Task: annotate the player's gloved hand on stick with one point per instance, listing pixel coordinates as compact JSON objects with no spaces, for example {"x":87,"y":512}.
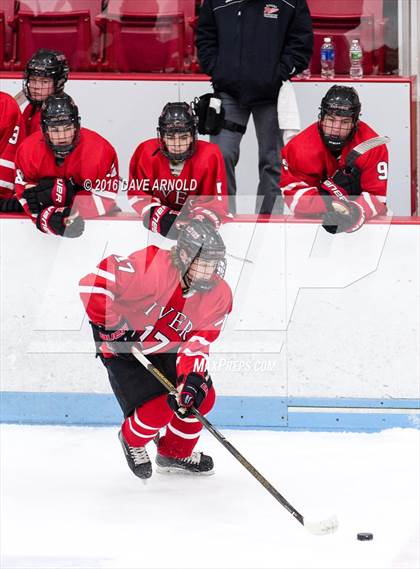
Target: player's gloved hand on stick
{"x":60,"y":221}
{"x":116,"y":341}
{"x":190,"y":393}
{"x":349,"y":180}
{"x":160,"y":219}
{"x":345,"y":216}
{"x":50,"y":191}
{"x":205,"y":215}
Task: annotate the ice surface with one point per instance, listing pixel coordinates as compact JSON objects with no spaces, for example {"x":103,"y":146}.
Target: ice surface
{"x":68,"y":500}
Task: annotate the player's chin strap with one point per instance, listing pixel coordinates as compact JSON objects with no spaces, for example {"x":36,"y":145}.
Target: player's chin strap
{"x":323,"y":527}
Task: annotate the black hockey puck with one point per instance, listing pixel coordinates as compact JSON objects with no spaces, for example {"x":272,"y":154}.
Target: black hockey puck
{"x":365,"y":536}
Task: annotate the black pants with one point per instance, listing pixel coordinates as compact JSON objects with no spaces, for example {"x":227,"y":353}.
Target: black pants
{"x":133,"y":384}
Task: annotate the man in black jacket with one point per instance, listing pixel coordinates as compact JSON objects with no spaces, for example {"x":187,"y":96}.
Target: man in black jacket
{"x":249,"y":48}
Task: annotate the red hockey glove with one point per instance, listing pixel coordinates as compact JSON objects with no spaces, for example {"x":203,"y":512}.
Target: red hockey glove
{"x":160,"y":219}
{"x":190,"y":392}
{"x":50,"y":191}
{"x":204,"y":214}
{"x":59,"y":221}
{"x":117,"y":341}
{"x":345,"y":216}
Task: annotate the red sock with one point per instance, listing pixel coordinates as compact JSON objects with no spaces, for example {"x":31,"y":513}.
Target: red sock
{"x":182,"y":434}
{"x":141,"y":427}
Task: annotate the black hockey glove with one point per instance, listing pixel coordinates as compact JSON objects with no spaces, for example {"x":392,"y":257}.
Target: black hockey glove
{"x":58,"y":221}
{"x":161,"y":219}
{"x":10,"y":205}
{"x":345,"y":216}
{"x":348,"y":180}
{"x":50,"y":191}
{"x":190,"y":392}
{"x":116,"y":341}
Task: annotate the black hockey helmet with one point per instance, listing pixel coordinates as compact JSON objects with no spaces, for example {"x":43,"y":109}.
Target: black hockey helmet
{"x":200,"y":255}
{"x":46,"y":63}
{"x":339,"y":101}
{"x":177,"y":118}
{"x":60,"y":110}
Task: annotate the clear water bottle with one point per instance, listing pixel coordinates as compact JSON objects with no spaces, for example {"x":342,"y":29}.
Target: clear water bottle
{"x":327,"y":59}
{"x":356,"y":60}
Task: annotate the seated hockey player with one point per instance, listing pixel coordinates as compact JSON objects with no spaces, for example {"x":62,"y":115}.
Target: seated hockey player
{"x":11,"y":135}
{"x":45,"y":74}
{"x":176,"y":177}
{"x":315,"y":180}
{"x":175,"y":302}
{"x":65,"y":173}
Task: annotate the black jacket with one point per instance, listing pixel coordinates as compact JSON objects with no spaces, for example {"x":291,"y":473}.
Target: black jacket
{"x":249,"y":47}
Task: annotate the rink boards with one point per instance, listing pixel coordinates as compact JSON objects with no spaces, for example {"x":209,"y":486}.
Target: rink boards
{"x":324,"y":333}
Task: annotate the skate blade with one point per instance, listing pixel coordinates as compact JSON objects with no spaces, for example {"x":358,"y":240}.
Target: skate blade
{"x":174,"y":470}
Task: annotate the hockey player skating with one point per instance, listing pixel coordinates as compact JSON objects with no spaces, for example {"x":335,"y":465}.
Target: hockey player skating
{"x":45,"y":74}
{"x":176,"y":177}
{"x":175,"y":302}
{"x":65,"y":173}
{"x":314,"y":179}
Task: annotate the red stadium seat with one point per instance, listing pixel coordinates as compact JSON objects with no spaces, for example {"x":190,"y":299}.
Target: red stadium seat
{"x":65,"y":25}
{"x":336,"y":8}
{"x":141,"y":42}
{"x":342,"y":30}
{"x":2,"y":40}
{"x":7,"y":8}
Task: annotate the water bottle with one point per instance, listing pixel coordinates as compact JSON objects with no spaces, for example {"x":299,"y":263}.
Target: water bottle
{"x":327,"y":59}
{"x":356,"y":59}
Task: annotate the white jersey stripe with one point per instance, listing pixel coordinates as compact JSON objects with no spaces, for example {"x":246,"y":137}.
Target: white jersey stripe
{"x":8,"y":185}
{"x":99,"y":204}
{"x":97,"y":290}
{"x":7,"y":163}
{"x":106,"y":275}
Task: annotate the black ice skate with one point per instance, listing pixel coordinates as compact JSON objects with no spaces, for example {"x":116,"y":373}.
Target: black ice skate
{"x":197,"y":463}
{"x":137,"y":459}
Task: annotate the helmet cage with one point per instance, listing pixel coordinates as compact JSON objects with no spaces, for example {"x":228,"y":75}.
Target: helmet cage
{"x":177,"y":118}
{"x":200,"y":256}
{"x":341,"y":102}
{"x":60,"y":110}
{"x":46,"y":63}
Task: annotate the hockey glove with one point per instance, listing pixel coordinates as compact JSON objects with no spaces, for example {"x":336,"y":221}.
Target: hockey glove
{"x":190,"y":392}
{"x":50,"y":191}
{"x":10,"y":205}
{"x":348,"y":180}
{"x":117,"y":341}
{"x":345,"y":216}
{"x":205,"y":215}
{"x":58,"y":221}
{"x":160,"y":219}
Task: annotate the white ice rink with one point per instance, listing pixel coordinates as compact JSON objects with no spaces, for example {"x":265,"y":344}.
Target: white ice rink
{"x":69,"y":500}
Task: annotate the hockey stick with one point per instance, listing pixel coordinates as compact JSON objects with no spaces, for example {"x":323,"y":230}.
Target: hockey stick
{"x":364,"y":147}
{"x":323,"y":527}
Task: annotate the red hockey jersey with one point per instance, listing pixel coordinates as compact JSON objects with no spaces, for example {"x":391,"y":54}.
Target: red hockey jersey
{"x":202,"y":180}
{"x":31,"y":118}
{"x":11,"y":135}
{"x":93,"y":162}
{"x":307,"y":162}
{"x":144,"y":290}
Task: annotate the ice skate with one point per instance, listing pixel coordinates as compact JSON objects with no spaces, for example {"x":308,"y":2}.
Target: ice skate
{"x":198,"y":464}
{"x":137,"y":459}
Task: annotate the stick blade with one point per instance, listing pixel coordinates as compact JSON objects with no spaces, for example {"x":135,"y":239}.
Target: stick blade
{"x":323,"y":527}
